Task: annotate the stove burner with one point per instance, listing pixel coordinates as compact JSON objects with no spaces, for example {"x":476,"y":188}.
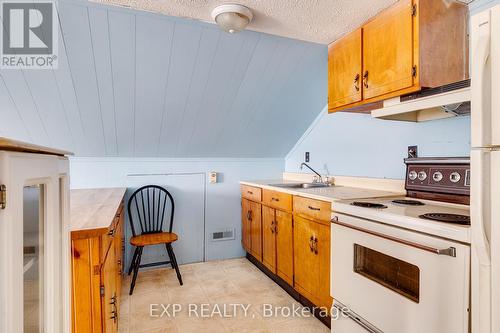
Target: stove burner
{"x":449,"y":218}
{"x":368,"y":204}
{"x":408,"y":202}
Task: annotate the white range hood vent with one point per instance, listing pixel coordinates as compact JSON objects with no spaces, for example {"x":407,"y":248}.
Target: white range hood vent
{"x":437,"y":103}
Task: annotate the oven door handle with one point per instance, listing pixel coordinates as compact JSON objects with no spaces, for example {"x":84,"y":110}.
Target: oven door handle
{"x":451,"y":251}
{"x":345,"y":311}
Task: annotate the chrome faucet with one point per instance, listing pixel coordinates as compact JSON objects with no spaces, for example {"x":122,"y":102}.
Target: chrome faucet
{"x":319,"y":180}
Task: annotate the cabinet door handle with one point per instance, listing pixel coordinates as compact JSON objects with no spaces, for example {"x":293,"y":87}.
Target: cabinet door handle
{"x":272,"y":227}
{"x":313,"y":208}
{"x":111,"y":232}
{"x":311,"y":242}
{"x":276,"y":227}
{"x":365,"y":79}
{"x":356,"y":82}
{"x":315,"y":245}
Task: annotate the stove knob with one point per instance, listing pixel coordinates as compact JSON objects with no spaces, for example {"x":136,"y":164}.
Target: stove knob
{"x":437,"y":176}
{"x":455,"y":177}
{"x":422,"y":175}
{"x":412,"y":175}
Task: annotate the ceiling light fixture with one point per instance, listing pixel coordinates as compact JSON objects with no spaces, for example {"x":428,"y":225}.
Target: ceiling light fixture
{"x":232,"y":18}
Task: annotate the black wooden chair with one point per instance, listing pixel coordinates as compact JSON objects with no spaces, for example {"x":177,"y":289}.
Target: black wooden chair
{"x":151,"y":208}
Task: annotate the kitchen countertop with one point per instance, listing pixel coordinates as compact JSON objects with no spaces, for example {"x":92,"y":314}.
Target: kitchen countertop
{"x":333,"y":193}
{"x":94,"y":209}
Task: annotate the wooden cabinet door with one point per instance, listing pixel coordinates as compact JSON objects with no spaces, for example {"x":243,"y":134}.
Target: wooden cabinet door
{"x":344,"y":71}
{"x":245,"y":225}
{"x":305,"y":262}
{"x":284,"y":246}
{"x":256,"y":229}
{"x":323,"y":255}
{"x":388,"y":51}
{"x":108,"y":298}
{"x":268,"y":238}
{"x":118,"y":243}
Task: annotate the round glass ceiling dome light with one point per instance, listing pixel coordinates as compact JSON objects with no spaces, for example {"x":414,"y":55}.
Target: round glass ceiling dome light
{"x":232,"y":18}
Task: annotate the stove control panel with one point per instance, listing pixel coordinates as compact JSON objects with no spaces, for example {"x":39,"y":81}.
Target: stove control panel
{"x":438,"y":176}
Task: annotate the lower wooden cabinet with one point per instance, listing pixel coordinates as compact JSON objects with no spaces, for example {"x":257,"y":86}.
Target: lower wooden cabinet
{"x":293,"y":246}
{"x":252,"y":227}
{"x":284,"y":246}
{"x":97,"y":265}
{"x":269,"y":238}
{"x":312,"y":260}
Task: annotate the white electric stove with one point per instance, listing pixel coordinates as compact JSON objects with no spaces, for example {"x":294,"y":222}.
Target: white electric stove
{"x":402,"y":264}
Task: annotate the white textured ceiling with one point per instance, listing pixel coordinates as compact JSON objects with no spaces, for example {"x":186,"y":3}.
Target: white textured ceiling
{"x":321,"y":21}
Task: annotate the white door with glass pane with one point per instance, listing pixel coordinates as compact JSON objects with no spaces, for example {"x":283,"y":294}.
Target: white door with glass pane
{"x":34,"y":244}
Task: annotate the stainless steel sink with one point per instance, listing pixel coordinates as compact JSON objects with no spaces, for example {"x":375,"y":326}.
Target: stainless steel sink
{"x":301,"y":185}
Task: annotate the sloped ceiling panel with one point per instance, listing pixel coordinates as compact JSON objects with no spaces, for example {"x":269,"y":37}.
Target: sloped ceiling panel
{"x":131,"y":83}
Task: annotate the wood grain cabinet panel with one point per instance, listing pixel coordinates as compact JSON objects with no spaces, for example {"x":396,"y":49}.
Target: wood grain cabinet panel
{"x":109,"y":299}
{"x":246,"y":238}
{"x":269,"y":238}
{"x":251,"y":234}
{"x":251,"y":193}
{"x":97,"y":257}
{"x":388,"y":51}
{"x":305,"y":261}
{"x":256,"y":229}
{"x":317,"y":209}
{"x":312,"y":260}
{"x":344,"y":70}
{"x":276,"y":199}
{"x":284,"y":245}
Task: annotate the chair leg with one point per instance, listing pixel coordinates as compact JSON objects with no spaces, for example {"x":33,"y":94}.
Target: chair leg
{"x":173,"y":260}
{"x":136,"y":269}
{"x":132,"y":263}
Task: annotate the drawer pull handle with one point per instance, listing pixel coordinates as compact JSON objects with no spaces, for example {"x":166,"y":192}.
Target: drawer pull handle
{"x":275,"y":199}
{"x":313,"y":208}
{"x":250,"y":192}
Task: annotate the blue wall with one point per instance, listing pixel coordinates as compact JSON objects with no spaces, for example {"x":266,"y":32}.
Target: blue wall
{"x":217,"y":205}
{"x":358,"y":145}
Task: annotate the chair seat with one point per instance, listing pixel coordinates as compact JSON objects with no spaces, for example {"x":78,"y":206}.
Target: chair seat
{"x":154,"y":239}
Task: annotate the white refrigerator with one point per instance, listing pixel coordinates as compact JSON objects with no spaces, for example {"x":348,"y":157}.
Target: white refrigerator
{"x":485,"y":171}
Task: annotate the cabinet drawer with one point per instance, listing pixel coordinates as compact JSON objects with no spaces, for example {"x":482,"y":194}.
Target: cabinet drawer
{"x":110,"y":235}
{"x":251,"y":193}
{"x":317,"y":209}
{"x":277,"y":200}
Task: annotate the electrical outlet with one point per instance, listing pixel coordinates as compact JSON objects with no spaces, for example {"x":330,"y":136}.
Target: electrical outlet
{"x":412,"y":151}
{"x":307,"y":156}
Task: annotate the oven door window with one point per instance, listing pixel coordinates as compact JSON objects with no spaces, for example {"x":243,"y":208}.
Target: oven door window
{"x":390,"y":272}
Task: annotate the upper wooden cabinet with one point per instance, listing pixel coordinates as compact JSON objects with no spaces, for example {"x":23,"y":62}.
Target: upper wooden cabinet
{"x":344,"y":70}
{"x":388,"y":51}
{"x":412,"y":45}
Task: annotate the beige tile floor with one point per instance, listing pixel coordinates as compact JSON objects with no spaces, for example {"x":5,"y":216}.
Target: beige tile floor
{"x":212,"y":285}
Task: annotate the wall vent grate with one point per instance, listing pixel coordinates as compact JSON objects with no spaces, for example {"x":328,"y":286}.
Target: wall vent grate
{"x":221,"y":235}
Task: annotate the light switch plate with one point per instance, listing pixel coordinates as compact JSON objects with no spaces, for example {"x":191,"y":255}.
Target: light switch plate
{"x":212,"y":177}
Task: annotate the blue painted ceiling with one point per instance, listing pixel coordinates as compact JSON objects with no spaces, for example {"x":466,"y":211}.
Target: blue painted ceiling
{"x":131,"y":83}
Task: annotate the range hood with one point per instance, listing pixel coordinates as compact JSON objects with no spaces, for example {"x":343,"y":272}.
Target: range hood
{"x":429,"y":104}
